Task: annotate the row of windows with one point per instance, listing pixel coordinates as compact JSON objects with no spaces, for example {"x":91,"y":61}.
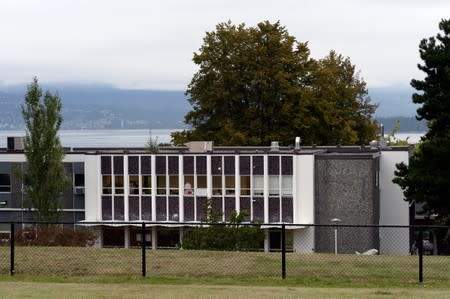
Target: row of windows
{"x":197,"y":185}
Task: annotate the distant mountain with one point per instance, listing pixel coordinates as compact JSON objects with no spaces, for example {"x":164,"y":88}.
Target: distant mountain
{"x":393,"y":101}
{"x":100,"y":106}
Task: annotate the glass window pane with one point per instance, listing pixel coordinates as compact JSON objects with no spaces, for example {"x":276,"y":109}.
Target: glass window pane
{"x":245,"y":185}
{"x":201,"y":181}
{"x":173,"y":184}
{"x":118,"y":184}
{"x":274,"y":185}
{"x":107,"y":184}
{"x":258,"y":185}
{"x":286,"y":184}
{"x":188,"y":184}
{"x":161,"y":184}
{"x":134,"y":184}
{"x":217,"y":185}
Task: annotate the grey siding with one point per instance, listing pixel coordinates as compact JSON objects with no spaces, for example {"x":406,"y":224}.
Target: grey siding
{"x":345,"y":188}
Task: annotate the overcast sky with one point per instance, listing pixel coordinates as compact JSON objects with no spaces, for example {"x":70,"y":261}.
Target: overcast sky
{"x":150,"y":44}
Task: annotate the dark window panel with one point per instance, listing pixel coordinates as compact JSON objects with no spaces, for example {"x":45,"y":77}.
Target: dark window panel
{"x":146,"y":165}
{"x":216,"y":165}
{"x":106,"y":208}
{"x":79,"y":179}
{"x":258,"y":209}
{"x":229,"y":165}
{"x":118,"y":208}
{"x":174,"y":210}
{"x":244,"y":165}
{"x":106,"y":164}
{"x":274,"y":165}
{"x":287,"y":206}
{"x":201,"y":208}
{"x":113,"y":237}
{"x":217,"y":207}
{"x":188,"y":165}
{"x":201,"y":164}
{"x":118,"y":164}
{"x":161,"y":211}
{"x":188,"y":208}
{"x":146,"y":208}
{"x":78,"y":167}
{"x":133,"y":165}
{"x":173,"y":165}
{"x":230,"y":206}
{"x":133,"y":209}
{"x":245,"y":206}
{"x":160,"y":164}
{"x":286,"y":165}
{"x":78,"y":201}
{"x":258,"y":165}
{"x":274,"y":209}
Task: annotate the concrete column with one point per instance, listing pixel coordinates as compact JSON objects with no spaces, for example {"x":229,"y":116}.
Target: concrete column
{"x":266,"y":240}
{"x":126,"y":232}
{"x":154,"y":239}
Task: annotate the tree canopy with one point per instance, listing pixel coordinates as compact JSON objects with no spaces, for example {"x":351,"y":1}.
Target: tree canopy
{"x":259,"y":84}
{"x":426,"y":179}
{"x":45,"y":178}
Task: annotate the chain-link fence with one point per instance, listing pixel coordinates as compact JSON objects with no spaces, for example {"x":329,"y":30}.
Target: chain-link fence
{"x":247,"y":251}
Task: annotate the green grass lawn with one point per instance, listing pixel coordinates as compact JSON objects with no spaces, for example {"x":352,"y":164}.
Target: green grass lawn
{"x":223,"y":267}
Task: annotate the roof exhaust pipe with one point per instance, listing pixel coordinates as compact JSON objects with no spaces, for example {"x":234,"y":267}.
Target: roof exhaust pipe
{"x":297,"y":143}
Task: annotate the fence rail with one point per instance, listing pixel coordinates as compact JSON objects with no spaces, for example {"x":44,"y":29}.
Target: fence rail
{"x":299,"y":251}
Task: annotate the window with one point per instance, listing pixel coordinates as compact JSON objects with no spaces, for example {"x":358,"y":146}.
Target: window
{"x":118,"y":184}
{"x":79,"y":179}
{"x":245,"y":185}
{"x":258,"y":185}
{"x":229,"y":185}
{"x":161,"y":185}
{"x":134,"y":184}
{"x":107,"y":184}
{"x":173,"y":185}
{"x":201,"y":185}
{"x":217,"y":185}
{"x":274,"y":185}
{"x":286,"y":185}
{"x":146,"y":184}
{"x":5,"y":182}
{"x":188,"y":184}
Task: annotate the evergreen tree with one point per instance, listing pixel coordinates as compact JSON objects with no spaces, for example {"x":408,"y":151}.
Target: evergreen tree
{"x":426,"y":178}
{"x":45,"y":178}
{"x":258,"y":84}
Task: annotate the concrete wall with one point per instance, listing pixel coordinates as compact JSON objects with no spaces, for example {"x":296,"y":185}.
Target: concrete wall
{"x":346,"y":189}
{"x":393,"y":209}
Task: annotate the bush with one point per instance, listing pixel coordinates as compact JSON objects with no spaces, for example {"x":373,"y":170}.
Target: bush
{"x":54,"y":235}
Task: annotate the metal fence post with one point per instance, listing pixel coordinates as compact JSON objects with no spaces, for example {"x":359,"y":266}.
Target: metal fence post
{"x":143,"y":240}
{"x":283,"y":251}
{"x":420,"y":247}
{"x":12,"y":249}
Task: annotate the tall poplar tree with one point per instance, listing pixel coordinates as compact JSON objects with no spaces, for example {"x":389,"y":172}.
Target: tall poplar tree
{"x":426,"y":179}
{"x":45,"y":178}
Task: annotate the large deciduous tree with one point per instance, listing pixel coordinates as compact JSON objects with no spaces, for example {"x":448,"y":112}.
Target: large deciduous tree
{"x":427,"y":177}
{"x":258,"y":84}
{"x":45,"y":178}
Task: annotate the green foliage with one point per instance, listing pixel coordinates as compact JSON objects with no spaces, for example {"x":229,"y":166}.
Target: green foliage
{"x":392,"y":140}
{"x":45,"y":178}
{"x":152,"y":144}
{"x":258,"y":84}
{"x":213,"y":235}
{"x":426,"y":178}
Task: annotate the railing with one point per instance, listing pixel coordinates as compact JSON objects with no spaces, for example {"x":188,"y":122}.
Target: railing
{"x":297,"y":251}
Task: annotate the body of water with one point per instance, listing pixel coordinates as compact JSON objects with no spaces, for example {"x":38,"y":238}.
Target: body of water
{"x":133,"y":138}
{"x":102,"y":138}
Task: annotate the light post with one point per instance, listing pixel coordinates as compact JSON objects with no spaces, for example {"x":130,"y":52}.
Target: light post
{"x":335,"y":221}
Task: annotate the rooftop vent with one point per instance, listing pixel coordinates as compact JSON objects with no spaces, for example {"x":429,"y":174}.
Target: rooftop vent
{"x":274,"y":146}
{"x":199,"y":146}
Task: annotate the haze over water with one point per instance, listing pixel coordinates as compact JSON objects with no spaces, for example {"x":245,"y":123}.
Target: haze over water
{"x":133,"y":138}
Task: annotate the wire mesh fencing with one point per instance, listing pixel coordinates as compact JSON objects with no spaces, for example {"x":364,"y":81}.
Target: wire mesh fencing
{"x":217,"y":250}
